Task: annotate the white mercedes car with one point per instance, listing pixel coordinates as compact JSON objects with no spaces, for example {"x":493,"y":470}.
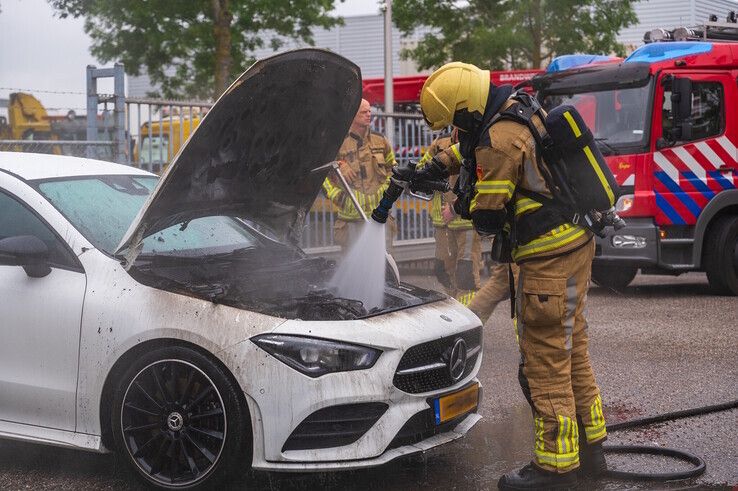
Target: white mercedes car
{"x":173,"y":320}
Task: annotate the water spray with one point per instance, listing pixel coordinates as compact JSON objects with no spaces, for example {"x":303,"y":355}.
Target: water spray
{"x":334,"y":165}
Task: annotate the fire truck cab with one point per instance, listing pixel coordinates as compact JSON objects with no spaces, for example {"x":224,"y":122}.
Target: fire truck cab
{"x":666,"y":119}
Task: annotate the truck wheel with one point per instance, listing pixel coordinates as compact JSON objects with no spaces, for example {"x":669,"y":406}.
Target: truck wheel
{"x":613,"y":277}
{"x":721,"y":256}
{"x":178,"y":420}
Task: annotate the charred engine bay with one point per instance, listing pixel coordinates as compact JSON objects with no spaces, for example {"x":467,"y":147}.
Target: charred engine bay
{"x":292,"y":287}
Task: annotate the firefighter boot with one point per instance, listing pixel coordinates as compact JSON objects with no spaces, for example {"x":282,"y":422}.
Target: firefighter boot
{"x":533,"y":477}
{"x":592,"y":463}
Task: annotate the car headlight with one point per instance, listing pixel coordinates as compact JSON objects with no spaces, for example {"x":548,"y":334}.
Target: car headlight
{"x":624,"y":203}
{"x":315,"y":357}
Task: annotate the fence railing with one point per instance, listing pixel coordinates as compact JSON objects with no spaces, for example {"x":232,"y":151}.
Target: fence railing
{"x":156,"y":129}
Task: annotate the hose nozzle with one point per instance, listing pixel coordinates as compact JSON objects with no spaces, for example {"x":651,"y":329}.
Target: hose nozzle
{"x":391,"y":194}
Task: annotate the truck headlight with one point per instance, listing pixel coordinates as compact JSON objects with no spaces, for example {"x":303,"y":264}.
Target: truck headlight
{"x":624,"y":203}
{"x":315,"y":357}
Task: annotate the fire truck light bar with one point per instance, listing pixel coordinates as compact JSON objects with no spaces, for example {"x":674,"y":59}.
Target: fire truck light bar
{"x":651,"y":53}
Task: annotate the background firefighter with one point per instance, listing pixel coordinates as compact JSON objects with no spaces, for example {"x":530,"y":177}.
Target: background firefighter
{"x":366,"y":160}
{"x":458,"y":246}
{"x":554,"y":257}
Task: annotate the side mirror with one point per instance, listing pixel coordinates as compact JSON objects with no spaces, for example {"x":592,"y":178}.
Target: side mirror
{"x":27,"y":251}
{"x":681,"y":109}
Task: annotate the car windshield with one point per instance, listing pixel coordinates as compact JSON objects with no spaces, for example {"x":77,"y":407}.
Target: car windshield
{"x":103,"y":207}
{"x":617,"y":118}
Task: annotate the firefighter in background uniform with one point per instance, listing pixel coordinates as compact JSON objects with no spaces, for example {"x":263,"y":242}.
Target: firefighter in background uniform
{"x":495,"y":290}
{"x":555,"y":260}
{"x":365,"y":160}
{"x":442,"y":264}
{"x":458,"y":247}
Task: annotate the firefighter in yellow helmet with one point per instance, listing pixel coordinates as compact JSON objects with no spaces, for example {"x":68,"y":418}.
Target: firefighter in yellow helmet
{"x":554,"y":257}
{"x":365,"y":160}
{"x":458,"y":247}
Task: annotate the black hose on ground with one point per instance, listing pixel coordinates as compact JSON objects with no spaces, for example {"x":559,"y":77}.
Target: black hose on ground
{"x":697,"y":462}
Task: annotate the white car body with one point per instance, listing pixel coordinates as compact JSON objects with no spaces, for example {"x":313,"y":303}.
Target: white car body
{"x":78,"y":330}
{"x":62,"y":335}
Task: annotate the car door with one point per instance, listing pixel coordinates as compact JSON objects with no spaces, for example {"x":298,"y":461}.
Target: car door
{"x":39,"y":327}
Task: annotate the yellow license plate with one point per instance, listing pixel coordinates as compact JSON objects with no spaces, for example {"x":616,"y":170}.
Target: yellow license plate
{"x":453,"y":405}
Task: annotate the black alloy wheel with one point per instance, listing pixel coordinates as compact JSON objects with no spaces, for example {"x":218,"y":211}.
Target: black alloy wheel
{"x":174,"y":422}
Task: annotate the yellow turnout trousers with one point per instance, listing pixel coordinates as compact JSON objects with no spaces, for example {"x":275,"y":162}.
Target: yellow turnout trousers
{"x":555,"y":372}
{"x":495,"y":290}
{"x":465,"y":249}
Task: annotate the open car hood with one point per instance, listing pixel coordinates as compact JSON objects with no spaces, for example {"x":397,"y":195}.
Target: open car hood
{"x":254,"y":151}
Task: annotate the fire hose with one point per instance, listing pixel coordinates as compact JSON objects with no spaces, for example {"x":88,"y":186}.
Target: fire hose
{"x":697,"y":462}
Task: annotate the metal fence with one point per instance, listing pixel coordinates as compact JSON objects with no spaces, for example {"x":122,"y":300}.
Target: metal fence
{"x":155,"y":130}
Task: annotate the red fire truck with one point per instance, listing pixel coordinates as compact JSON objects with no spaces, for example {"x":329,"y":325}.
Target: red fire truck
{"x":406,"y":90}
{"x":666,"y":118}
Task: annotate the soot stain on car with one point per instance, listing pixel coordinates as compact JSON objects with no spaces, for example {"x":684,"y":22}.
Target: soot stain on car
{"x":282,"y":282}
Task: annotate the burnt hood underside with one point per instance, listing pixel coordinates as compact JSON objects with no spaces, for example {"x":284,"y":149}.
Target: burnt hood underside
{"x":272,"y":282}
{"x":253,"y":153}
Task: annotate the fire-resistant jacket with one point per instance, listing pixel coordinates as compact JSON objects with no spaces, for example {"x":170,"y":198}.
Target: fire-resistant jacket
{"x":371,"y":157}
{"x":439,"y":199}
{"x":506,"y":162}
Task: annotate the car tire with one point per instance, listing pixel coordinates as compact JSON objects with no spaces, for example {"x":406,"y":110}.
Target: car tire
{"x":721,"y":256}
{"x":613,"y":277}
{"x":179,"y":422}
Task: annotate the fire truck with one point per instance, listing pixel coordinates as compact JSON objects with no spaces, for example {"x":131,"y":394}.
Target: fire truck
{"x":666,"y":119}
{"x":406,"y":90}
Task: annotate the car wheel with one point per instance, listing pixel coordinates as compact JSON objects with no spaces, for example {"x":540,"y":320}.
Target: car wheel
{"x":613,"y":277}
{"x":178,"y":420}
{"x":721,"y":256}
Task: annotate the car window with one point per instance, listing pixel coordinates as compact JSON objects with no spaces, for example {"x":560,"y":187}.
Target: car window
{"x":214,"y":234}
{"x":103,"y":207}
{"x":707,"y":110}
{"x":100,"y":207}
{"x":16,"y":219}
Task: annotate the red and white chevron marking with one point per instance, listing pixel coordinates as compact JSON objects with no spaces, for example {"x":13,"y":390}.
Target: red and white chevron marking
{"x":699,"y":158}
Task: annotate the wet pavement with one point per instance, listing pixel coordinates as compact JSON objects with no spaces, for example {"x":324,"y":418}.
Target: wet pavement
{"x":665,"y":344}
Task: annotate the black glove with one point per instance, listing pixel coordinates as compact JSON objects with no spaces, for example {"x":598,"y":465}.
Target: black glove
{"x":404,"y":172}
{"x":432,"y":171}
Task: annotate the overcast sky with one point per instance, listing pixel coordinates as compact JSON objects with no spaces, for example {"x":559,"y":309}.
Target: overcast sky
{"x":41,"y":54}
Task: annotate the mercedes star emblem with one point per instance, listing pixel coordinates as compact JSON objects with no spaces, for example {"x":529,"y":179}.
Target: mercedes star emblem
{"x":457,"y":360}
{"x":175,"y":421}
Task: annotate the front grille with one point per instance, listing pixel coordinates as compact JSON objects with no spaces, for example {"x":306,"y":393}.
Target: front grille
{"x":420,"y":427}
{"x":335,"y":426}
{"x":424,"y":367}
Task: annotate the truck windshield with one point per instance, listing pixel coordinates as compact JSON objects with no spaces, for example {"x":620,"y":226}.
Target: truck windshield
{"x":618,"y":118}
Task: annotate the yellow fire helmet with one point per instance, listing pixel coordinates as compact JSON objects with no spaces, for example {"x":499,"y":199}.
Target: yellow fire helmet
{"x":454,"y":87}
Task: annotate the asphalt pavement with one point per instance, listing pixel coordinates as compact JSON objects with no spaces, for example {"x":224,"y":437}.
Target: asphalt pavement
{"x":664,"y":344}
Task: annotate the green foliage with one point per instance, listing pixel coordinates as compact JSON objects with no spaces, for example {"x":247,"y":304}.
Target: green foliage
{"x":498,"y":34}
{"x":185,"y":35}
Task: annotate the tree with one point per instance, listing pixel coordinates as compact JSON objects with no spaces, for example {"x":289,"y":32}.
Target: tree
{"x":207,"y":42}
{"x":499,"y":34}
